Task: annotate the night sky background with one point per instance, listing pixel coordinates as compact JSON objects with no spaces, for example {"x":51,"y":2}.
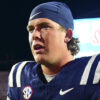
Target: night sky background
{"x":14,"y":15}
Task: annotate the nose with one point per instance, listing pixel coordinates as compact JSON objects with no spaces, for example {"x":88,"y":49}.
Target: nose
{"x":36,"y":34}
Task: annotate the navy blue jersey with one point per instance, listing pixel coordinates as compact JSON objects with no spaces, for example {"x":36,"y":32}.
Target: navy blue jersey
{"x":78,"y":80}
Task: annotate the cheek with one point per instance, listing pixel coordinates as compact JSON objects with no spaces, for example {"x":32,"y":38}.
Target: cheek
{"x":57,"y":43}
{"x":30,"y":39}
{"x":53,"y":40}
{"x":53,"y":43}
{"x":57,"y":39}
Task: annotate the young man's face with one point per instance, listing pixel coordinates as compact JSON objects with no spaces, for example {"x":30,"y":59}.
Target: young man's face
{"x":47,"y":41}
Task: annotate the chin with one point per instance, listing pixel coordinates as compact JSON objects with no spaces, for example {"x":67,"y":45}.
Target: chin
{"x":40,"y":60}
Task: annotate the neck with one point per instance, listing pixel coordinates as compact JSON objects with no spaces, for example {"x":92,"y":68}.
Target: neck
{"x":52,"y":69}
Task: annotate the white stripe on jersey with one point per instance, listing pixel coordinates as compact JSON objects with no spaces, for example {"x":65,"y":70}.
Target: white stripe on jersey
{"x":8,"y":98}
{"x":97,"y":74}
{"x":18,"y":74}
{"x":11,"y":76}
{"x":86,"y":72}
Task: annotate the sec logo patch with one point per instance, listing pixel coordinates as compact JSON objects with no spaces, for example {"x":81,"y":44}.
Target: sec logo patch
{"x":27,"y":92}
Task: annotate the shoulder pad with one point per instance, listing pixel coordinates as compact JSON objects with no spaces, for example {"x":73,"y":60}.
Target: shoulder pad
{"x":18,"y":69}
{"x":92,"y":67}
{"x":97,"y":71}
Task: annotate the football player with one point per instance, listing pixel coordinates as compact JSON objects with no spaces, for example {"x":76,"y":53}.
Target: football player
{"x":55,"y":74}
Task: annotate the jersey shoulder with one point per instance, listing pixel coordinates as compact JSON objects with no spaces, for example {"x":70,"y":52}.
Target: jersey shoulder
{"x":91,"y":71}
{"x":85,"y":70}
{"x":17,"y":70}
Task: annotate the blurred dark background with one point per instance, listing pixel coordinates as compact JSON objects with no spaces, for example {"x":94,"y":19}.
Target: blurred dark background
{"x":14,"y":16}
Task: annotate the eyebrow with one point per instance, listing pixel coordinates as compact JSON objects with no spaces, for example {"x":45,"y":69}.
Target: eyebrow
{"x":39,"y":24}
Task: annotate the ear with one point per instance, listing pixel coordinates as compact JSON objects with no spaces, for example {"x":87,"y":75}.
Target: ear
{"x":69,"y":34}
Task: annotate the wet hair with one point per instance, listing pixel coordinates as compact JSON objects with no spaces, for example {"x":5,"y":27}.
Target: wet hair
{"x":73,"y":44}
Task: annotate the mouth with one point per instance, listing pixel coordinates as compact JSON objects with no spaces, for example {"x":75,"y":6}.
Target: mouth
{"x":38,"y":48}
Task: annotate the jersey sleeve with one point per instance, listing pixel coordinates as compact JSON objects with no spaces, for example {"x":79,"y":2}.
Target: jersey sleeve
{"x":96,"y":79}
{"x":14,"y":80}
{"x":11,"y":82}
{"x":91,"y":78}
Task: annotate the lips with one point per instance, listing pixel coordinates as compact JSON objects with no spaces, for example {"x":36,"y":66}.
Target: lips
{"x":38,"y":48}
